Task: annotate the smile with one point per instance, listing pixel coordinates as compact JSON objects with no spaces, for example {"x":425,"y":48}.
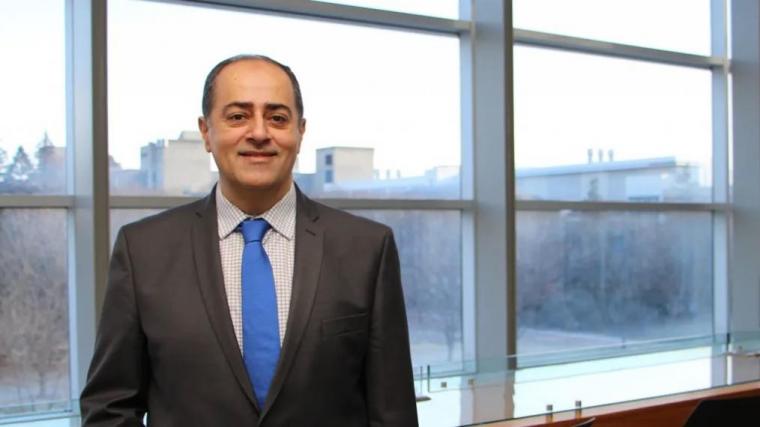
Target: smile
{"x":257,"y":155}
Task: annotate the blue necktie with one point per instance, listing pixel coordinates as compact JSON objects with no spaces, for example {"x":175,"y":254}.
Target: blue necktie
{"x":261,"y":333}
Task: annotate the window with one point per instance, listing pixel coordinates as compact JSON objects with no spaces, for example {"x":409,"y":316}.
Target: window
{"x":600,"y":279}
{"x":622,"y":21}
{"x":625,"y":174}
{"x":431,"y":276}
{"x":34,"y":309}
{"x":431,"y":263}
{"x":414,"y":153}
{"x":34,"y":346}
{"x":417,"y":150}
{"x":614,"y":172}
{"x":610,"y":129}
{"x":32,"y":132}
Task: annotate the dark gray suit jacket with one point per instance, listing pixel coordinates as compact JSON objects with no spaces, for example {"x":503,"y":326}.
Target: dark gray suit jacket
{"x":166,"y":346}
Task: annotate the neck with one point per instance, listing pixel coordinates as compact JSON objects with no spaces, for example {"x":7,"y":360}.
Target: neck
{"x":254,"y":201}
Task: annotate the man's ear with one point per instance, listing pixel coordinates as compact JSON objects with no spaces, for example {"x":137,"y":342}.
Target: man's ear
{"x":301,"y":130}
{"x":203,"y":127}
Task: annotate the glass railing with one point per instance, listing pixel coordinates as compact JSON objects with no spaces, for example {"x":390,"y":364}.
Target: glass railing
{"x":486,"y":390}
{"x":50,"y":414}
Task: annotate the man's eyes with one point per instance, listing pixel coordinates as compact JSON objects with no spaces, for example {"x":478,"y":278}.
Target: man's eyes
{"x":279,"y":119}
{"x":276,"y":119}
{"x":236,"y":118}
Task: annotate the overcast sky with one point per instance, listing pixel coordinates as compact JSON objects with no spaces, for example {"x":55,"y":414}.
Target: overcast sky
{"x":363,"y":86}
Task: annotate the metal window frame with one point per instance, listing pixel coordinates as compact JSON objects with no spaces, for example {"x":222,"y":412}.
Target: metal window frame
{"x":87,"y":166}
{"x":721,"y":143}
{"x":744,"y":270}
{"x":34,"y":201}
{"x":464,"y":205}
{"x":557,"y":205}
{"x":617,"y":50}
{"x":339,"y":12}
{"x":741,"y":298}
{"x":165,"y":202}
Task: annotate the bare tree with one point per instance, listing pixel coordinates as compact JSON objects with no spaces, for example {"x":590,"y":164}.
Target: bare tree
{"x":33,"y":307}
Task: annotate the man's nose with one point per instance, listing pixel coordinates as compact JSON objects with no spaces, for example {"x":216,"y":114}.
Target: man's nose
{"x":257,"y":130}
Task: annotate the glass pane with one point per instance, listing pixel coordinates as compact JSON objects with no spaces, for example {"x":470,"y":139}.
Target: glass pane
{"x":438,"y":8}
{"x":33,"y":101}
{"x":391,"y":130}
{"x":431,"y":273}
{"x":677,"y":25}
{"x":431,"y":269}
{"x":588,"y":279}
{"x":34,"y":341}
{"x":610,"y":129}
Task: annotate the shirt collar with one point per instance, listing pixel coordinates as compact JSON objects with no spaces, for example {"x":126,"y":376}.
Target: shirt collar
{"x":281,"y":216}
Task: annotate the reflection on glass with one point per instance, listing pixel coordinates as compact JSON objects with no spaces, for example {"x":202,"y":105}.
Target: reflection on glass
{"x":469,"y":398}
{"x":429,"y":244}
{"x":706,"y":363}
{"x":589,"y":279}
{"x":678,"y":25}
{"x":34,"y":346}
{"x":387,"y":117}
{"x":431,"y":270}
{"x":438,"y":8}
{"x":32,"y":105}
{"x":610,"y":129}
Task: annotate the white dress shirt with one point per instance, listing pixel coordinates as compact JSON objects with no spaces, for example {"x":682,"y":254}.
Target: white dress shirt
{"x":279,"y":243}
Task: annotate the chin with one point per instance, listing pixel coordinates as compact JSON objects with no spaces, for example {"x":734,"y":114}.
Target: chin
{"x":258,"y":186}
{"x":261,"y":184}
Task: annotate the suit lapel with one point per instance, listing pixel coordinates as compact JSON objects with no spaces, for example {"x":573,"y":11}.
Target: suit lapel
{"x":205,"y":238}
{"x":307,"y":264}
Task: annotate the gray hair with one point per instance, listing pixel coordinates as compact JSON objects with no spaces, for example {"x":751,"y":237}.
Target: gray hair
{"x":208,"y":86}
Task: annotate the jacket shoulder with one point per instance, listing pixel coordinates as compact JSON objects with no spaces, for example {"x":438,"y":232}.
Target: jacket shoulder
{"x":350,"y":224}
{"x":167,"y":221}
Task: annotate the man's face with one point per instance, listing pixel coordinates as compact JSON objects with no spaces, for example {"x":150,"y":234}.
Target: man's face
{"x":253,"y":129}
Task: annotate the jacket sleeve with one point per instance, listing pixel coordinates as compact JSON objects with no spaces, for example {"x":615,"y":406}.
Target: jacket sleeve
{"x":117,"y":381}
{"x":390,"y":386}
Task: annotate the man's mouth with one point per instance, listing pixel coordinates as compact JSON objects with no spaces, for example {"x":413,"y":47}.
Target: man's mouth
{"x":257,"y":154}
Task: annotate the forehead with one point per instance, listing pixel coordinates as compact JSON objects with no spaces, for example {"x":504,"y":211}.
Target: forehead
{"x":253,"y":81}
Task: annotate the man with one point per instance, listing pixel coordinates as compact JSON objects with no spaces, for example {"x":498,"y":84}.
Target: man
{"x":256,"y":305}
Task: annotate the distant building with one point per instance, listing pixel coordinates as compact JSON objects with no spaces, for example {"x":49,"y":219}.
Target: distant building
{"x":642,"y":180}
{"x":336,"y":165}
{"x":350,"y":172}
{"x":182,"y":166}
{"x":438,"y":182}
{"x":179,"y":166}
{"x":125,"y":181}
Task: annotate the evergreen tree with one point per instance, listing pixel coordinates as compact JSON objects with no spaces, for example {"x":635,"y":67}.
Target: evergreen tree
{"x":20,"y":167}
{"x":44,"y":149}
{"x":45,"y":141}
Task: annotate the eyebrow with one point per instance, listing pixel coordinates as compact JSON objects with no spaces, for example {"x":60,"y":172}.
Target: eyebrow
{"x":249,"y":106}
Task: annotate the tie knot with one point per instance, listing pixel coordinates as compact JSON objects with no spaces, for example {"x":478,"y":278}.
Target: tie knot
{"x":253,"y":229}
